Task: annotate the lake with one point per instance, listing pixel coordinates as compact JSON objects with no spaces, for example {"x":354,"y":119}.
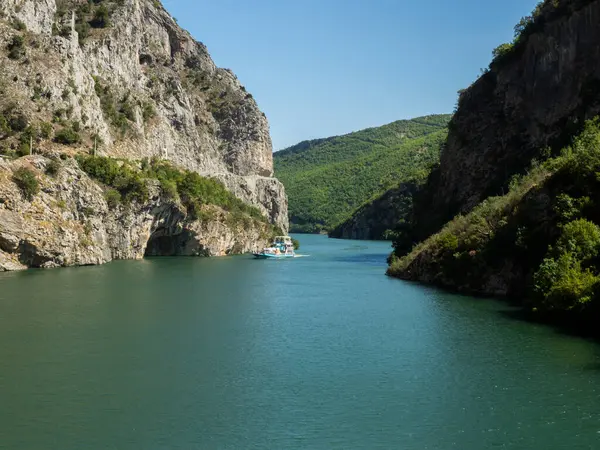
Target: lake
{"x":318,"y":352}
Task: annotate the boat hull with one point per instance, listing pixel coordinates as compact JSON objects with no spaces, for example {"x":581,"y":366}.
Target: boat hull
{"x":271,"y":256}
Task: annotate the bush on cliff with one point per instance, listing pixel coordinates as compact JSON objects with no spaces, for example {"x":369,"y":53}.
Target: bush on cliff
{"x":544,"y":12}
{"x":67,"y":136}
{"x":117,"y":174}
{"x":53,"y":167}
{"x":26,"y":180}
{"x":195,"y":190}
{"x":16,"y":47}
{"x":101,"y":17}
{"x":563,"y":284}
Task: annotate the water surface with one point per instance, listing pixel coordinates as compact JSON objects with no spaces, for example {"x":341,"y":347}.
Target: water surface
{"x":321,"y":352}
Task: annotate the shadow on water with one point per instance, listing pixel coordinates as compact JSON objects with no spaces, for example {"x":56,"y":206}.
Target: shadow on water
{"x":571,"y":324}
{"x":372,"y":259}
{"x":568,"y":324}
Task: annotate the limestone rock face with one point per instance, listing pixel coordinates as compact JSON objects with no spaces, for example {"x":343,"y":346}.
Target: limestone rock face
{"x":137,"y":87}
{"x":69,"y":223}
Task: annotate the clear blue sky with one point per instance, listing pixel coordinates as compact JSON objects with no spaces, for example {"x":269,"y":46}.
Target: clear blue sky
{"x":319,"y":68}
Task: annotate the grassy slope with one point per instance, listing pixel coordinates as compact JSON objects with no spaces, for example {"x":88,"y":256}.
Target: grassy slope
{"x":328,"y":179}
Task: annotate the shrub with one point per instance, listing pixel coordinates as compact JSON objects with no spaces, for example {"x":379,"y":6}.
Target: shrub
{"x":4,"y":126}
{"x":118,"y":113}
{"x":296,"y":243}
{"x":448,"y":242}
{"x":26,"y":180}
{"x":16,"y":48}
{"x":53,"y":167}
{"x":580,"y":238}
{"x":563,"y":284}
{"x":19,"y":25}
{"x":67,"y":136}
{"x":568,"y":208}
{"x":83,"y":31}
{"x":65,"y":32}
{"x":169,"y":188}
{"x":46,"y":130}
{"x":129,"y":183}
{"x":18,"y":122}
{"x":127,"y":109}
{"x":58,"y":116}
{"x":132,"y":186}
{"x":24,"y":149}
{"x":502,"y":51}
{"x":112,"y":197}
{"x":148,"y":111}
{"x":522,"y":30}
{"x":88,"y":212}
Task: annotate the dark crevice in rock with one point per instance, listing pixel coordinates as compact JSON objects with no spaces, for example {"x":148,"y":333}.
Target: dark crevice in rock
{"x":162,"y":243}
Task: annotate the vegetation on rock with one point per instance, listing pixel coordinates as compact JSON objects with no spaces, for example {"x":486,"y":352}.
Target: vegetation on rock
{"x":16,"y":48}
{"x":53,"y":167}
{"x":119,"y":112}
{"x":544,"y":12}
{"x":89,"y":15}
{"x":27,"y":181}
{"x":67,"y":136}
{"x":127,"y":182}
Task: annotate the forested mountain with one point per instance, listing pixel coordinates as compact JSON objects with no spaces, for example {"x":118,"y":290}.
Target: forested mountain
{"x":328,"y":179}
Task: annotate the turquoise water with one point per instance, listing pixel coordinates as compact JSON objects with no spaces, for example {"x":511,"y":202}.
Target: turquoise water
{"x":320,"y":352}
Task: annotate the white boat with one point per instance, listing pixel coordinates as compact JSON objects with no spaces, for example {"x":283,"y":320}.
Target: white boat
{"x":282,"y":247}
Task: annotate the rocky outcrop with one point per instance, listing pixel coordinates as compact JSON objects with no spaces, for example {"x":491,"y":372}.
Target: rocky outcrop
{"x":373,"y":220}
{"x":69,"y":223}
{"x":535,"y":99}
{"x":267,"y":193}
{"x":137,"y":86}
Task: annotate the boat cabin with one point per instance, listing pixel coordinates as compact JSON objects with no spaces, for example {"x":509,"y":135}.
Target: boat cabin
{"x":281,"y":246}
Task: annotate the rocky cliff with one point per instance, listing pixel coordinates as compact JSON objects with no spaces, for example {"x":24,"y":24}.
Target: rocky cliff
{"x":519,"y":174}
{"x":534,"y":97}
{"x":384,"y":214}
{"x":70,"y":222}
{"x":122,"y":79}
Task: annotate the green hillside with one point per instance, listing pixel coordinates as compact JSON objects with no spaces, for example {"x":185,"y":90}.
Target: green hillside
{"x":326,"y":180}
